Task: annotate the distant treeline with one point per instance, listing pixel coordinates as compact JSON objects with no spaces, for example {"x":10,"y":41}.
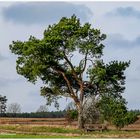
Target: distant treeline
{"x":136,"y":111}
{"x":52,"y":114}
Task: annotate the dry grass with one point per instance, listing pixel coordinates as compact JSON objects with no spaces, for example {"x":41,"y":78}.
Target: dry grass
{"x":59,"y":127}
{"x":58,"y":132}
{"x":34,"y":121}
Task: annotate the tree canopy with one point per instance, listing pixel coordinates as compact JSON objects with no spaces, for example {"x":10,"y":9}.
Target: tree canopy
{"x":68,"y":61}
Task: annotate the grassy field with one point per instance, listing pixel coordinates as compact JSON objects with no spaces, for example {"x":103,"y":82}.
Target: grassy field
{"x":34,"y":136}
{"x":58,"y":128}
{"x":26,"y":131}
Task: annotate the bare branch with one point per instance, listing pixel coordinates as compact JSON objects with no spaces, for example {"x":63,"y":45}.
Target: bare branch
{"x":85,"y":62}
{"x":70,"y":88}
{"x":72,"y":68}
{"x":84,"y":67}
{"x":91,"y":61}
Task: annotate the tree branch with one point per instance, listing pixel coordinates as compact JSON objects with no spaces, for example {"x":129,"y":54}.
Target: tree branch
{"x":72,"y":94}
{"x":85,"y":62}
{"x":70,"y":89}
{"x":84,"y":67}
{"x":72,"y":68}
{"x":91,"y":61}
{"x":76,"y":77}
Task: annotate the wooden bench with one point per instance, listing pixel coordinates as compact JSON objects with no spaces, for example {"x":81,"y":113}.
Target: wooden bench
{"x":95,"y":128}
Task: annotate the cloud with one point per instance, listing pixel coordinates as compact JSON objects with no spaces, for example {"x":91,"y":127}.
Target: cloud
{"x":43,"y":12}
{"x":134,"y":80}
{"x":138,"y":68}
{"x":2,"y":57}
{"x":119,"y":41}
{"x":123,"y":49}
{"x":5,"y":82}
{"x":125,"y":12}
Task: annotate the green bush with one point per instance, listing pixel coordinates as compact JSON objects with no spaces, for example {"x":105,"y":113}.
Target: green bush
{"x":126,"y":119}
{"x":130,"y":118}
{"x":71,"y":115}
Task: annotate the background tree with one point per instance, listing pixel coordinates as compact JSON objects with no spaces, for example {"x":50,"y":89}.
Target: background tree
{"x":14,"y":108}
{"x":71,"y":113}
{"x":67,"y":53}
{"x":3,"y":101}
{"x":113,"y":110}
{"x":42,"y":108}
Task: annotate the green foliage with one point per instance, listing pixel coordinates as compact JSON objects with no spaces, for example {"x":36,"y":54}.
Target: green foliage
{"x":123,"y":119}
{"x":119,"y":120}
{"x":111,"y":106}
{"x":49,"y":57}
{"x":54,"y":60}
{"x":113,"y":109}
{"x":136,"y":112}
{"x":130,"y":118}
{"x":108,"y":78}
{"x":71,"y":115}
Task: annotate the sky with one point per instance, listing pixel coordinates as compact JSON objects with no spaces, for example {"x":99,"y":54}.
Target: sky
{"x":118,"y":20}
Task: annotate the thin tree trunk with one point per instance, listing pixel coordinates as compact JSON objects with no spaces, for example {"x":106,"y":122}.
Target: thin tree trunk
{"x":80,"y":118}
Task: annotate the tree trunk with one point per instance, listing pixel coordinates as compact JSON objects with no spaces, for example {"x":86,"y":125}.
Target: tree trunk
{"x":80,"y":118}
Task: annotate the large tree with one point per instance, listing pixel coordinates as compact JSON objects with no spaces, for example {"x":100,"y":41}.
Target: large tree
{"x":68,"y":61}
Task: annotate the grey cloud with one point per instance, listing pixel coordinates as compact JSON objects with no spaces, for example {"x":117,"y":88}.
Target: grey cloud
{"x":5,"y":82}
{"x":2,"y":57}
{"x":134,"y":80}
{"x":43,"y":12}
{"x":119,"y":41}
{"x":125,"y":12}
{"x":138,"y":68}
